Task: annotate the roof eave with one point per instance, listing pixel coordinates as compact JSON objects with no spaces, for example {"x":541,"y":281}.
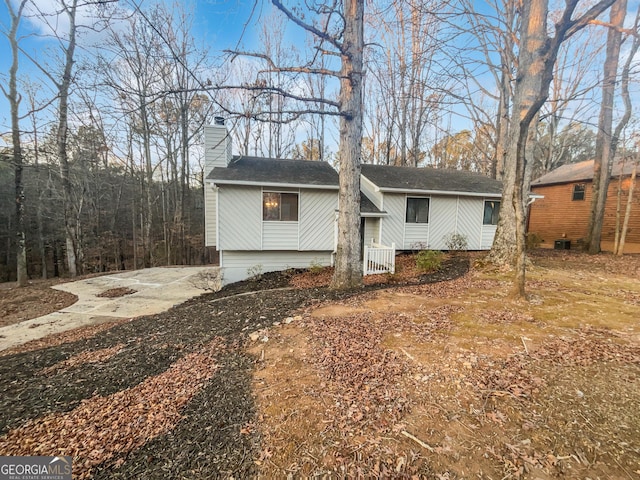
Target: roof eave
{"x":374,"y":214}
{"x":273,"y":184}
{"x":438,"y":192}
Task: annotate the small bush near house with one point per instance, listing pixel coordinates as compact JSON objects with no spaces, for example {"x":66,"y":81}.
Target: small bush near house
{"x":456,"y":241}
{"x":429,"y":260}
{"x":316,"y":268}
{"x":418,"y":246}
{"x":533,"y":240}
{"x":255,"y":272}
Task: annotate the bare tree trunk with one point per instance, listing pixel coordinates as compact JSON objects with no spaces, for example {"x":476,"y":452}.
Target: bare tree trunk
{"x":536,"y":58}
{"x":604,"y":151}
{"x":61,"y":142}
{"x":502,"y":127}
{"x":43,"y":190}
{"x":529,"y":89}
{"x":40,"y":223}
{"x":627,"y":213}
{"x":616,"y":240}
{"x":14,"y":101}
{"x":348,"y":272}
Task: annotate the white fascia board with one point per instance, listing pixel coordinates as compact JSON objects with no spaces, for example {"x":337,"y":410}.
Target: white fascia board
{"x":275,"y":185}
{"x":376,"y":188}
{"x":440,"y":192}
{"x":369,"y":214}
{"x":374,"y":215}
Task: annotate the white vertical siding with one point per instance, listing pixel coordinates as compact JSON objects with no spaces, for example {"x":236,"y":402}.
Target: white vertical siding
{"x":209,"y":215}
{"x":470,"y":211}
{"x":393,"y":224}
{"x":217,"y":147}
{"x":488,"y":232}
{"x":279,"y":235}
{"x":416,"y":236}
{"x":217,"y":153}
{"x":371,"y":230}
{"x":442,"y":220}
{"x":234,"y":264}
{"x":317,"y":219}
{"x":368,"y":187}
{"x":240,"y":217}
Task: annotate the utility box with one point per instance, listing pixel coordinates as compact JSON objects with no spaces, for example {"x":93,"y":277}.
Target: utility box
{"x":562,"y":244}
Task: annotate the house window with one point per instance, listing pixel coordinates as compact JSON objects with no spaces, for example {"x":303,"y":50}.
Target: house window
{"x":417,"y":210}
{"x":282,"y":207}
{"x":578,"y":192}
{"x":491,"y":212}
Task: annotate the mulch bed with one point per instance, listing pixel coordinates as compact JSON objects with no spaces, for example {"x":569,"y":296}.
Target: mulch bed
{"x":209,"y":433}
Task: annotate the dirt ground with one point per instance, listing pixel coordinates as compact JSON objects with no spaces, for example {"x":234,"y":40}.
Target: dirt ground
{"x":454,"y":380}
{"x":446,"y":378}
{"x":34,"y":300}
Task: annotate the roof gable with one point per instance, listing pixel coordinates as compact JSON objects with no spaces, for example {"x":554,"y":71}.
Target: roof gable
{"x":429,"y":179}
{"x":271,"y":171}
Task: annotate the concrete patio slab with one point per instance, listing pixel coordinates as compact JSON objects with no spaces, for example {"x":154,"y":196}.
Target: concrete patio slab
{"x":157,"y":290}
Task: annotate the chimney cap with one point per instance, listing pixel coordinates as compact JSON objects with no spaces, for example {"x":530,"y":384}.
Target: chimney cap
{"x":218,"y":120}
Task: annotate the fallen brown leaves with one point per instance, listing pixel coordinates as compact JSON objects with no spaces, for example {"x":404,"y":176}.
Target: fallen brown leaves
{"x":454,"y":380}
{"x":628,"y":265}
{"x":102,"y":428}
{"x":365,"y":390}
{"x":449,"y":289}
{"x":360,"y":375}
{"x":88,"y":356}
{"x":505,"y":316}
{"x":24,"y":303}
{"x":116,"y":292}
{"x":587,"y":346}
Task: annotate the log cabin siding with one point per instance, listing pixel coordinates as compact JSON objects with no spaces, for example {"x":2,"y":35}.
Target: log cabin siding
{"x":557,"y":216}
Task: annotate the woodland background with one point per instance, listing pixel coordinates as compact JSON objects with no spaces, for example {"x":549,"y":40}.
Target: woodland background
{"x":136,"y":85}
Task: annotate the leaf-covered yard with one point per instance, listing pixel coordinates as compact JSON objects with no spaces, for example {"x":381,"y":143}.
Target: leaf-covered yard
{"x":447,"y":379}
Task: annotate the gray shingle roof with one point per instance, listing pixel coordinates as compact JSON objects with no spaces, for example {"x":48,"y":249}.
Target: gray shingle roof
{"x":430,"y":179}
{"x":367,"y":206}
{"x":579,"y":172}
{"x":272,"y":171}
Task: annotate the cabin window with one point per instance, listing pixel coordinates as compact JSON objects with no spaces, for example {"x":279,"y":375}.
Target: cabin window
{"x":491,"y":212}
{"x":280,"y":207}
{"x":417,"y":210}
{"x":578,"y":192}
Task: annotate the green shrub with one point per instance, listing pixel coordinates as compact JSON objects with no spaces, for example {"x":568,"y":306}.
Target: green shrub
{"x":429,"y":260}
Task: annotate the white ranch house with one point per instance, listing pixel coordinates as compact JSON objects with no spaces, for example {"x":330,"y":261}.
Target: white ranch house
{"x":266,"y":214}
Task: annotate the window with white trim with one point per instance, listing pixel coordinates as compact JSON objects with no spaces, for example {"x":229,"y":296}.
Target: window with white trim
{"x":417,"y":210}
{"x":279,"y":207}
{"x":491,"y":212}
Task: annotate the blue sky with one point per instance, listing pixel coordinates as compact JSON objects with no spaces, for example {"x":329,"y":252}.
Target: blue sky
{"x":220,"y":24}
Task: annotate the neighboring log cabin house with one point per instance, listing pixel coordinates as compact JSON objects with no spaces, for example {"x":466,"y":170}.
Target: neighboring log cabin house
{"x":561,"y":218}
